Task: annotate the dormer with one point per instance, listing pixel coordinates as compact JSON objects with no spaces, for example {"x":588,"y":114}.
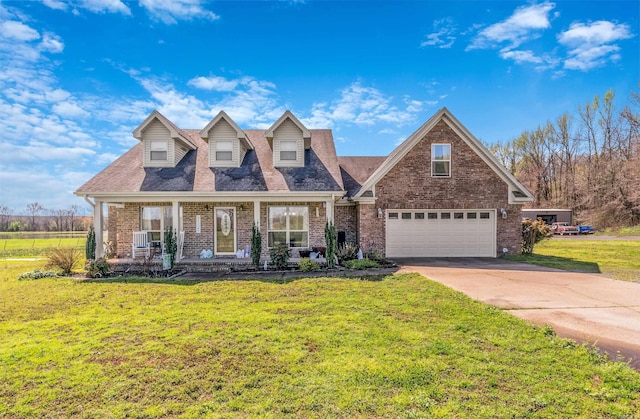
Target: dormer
{"x":288,"y":139}
{"x":228,"y":144}
{"x":164,"y":143}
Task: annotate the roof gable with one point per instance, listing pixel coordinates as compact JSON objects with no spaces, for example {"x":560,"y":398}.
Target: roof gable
{"x":174,"y":132}
{"x":306,"y":134}
{"x":517,"y":192}
{"x":222,"y":115}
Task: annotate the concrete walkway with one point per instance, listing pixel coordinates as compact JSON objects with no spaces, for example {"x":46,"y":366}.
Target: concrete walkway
{"x":586,"y":307}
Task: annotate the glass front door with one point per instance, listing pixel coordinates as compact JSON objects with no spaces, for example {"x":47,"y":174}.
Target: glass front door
{"x":225,"y":231}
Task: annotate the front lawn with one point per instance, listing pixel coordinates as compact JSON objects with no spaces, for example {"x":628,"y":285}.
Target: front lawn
{"x":619,"y":259}
{"x":402,"y":346}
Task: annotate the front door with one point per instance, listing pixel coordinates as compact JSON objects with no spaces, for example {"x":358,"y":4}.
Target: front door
{"x":225,"y":231}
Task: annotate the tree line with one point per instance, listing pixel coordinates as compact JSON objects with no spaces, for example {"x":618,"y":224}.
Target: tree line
{"x":588,"y":161}
{"x":38,"y":218}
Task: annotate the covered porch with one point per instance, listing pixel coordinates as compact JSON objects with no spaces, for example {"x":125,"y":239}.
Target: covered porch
{"x":219,"y":225}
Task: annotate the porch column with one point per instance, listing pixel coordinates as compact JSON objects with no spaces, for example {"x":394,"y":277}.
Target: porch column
{"x":98,"y":222}
{"x":175,"y":216}
{"x":329,"y":206}
{"x":256,"y":213}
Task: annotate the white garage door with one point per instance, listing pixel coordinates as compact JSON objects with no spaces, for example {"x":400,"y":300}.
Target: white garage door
{"x":444,"y":233}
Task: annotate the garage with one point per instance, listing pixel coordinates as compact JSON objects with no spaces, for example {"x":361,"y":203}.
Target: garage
{"x":441,"y":233}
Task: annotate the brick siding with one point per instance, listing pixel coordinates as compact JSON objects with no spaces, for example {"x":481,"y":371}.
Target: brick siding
{"x":409,"y":185}
{"x":123,"y":221}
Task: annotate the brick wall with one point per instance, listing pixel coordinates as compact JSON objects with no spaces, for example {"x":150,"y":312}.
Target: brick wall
{"x":473,"y":184}
{"x":346,"y":219}
{"x":123,"y":221}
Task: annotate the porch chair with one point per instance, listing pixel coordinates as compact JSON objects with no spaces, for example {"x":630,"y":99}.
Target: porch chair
{"x":140,"y":244}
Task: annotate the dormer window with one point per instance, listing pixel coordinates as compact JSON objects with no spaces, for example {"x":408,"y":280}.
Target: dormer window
{"x":224,"y":150}
{"x":288,"y":150}
{"x":159,"y":150}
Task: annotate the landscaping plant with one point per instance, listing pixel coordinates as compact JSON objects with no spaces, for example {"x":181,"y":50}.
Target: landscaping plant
{"x":171,"y":245}
{"x":98,"y":268}
{"x":347,"y":251}
{"x":64,"y":259}
{"x":308,"y":265}
{"x":90,"y":245}
{"x":256,"y":246}
{"x":330,"y":238}
{"x":279,"y":256}
{"x":533,"y":231}
{"x":361,"y":264}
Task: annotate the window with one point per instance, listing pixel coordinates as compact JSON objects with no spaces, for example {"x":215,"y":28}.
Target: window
{"x":484,"y":215}
{"x":159,"y":150}
{"x":445,"y":215}
{"x":288,"y":225}
{"x":155,"y":220}
{"x":458,"y":215}
{"x":471,"y":216}
{"x":288,"y":150}
{"x":441,"y":160}
{"x":393,"y":215}
{"x":406,"y":215}
{"x":432,"y":216}
{"x":224,"y":150}
{"x":419,"y":215}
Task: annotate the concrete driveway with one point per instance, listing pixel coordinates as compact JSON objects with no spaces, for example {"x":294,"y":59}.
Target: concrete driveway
{"x":586,"y":307}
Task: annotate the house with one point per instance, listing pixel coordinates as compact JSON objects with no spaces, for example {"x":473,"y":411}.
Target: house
{"x":439,"y":193}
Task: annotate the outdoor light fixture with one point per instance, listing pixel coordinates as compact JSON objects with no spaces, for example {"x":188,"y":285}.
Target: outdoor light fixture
{"x":503,"y":213}
{"x":379,"y":212}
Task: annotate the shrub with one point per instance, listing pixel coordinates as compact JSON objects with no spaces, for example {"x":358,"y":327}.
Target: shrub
{"x":308,"y":265}
{"x":90,"y":246}
{"x":361,"y":264}
{"x":347,"y":251}
{"x":98,"y":268}
{"x":533,"y":231}
{"x":256,"y":246}
{"x":37,"y":274}
{"x":373,"y":252}
{"x":171,"y":245}
{"x":64,"y":259}
{"x":279,"y":256}
{"x":330,"y":238}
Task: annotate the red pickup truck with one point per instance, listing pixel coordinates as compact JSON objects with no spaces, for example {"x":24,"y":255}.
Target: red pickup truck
{"x":564,"y":228}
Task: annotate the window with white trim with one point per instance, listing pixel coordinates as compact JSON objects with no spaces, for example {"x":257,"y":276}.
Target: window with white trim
{"x":158,"y":150}
{"x":440,"y":160}
{"x":224,"y":150}
{"x":155,"y":220}
{"x":288,"y":225}
{"x":288,"y":150}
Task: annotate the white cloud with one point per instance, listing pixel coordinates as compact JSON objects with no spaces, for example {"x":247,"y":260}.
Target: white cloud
{"x":444,"y":35}
{"x":170,"y":11}
{"x":52,"y":43}
{"x":69,"y":109}
{"x":55,"y":4}
{"x":18,"y":31}
{"x":520,"y":56}
{"x":524,"y":24}
{"x":593,"y":45}
{"x":105,"y":6}
{"x":362,"y":105}
{"x":219,"y":84}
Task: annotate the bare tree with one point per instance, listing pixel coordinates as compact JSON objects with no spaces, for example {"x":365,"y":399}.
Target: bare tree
{"x":34,"y":209}
{"x":5,"y":214}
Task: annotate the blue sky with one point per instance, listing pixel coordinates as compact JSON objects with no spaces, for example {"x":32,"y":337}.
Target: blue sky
{"x":77,"y":76}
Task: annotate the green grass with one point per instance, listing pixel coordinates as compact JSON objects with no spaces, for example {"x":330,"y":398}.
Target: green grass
{"x":21,"y":247}
{"x":401,"y":347}
{"x":622,"y":232}
{"x":619,"y":259}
